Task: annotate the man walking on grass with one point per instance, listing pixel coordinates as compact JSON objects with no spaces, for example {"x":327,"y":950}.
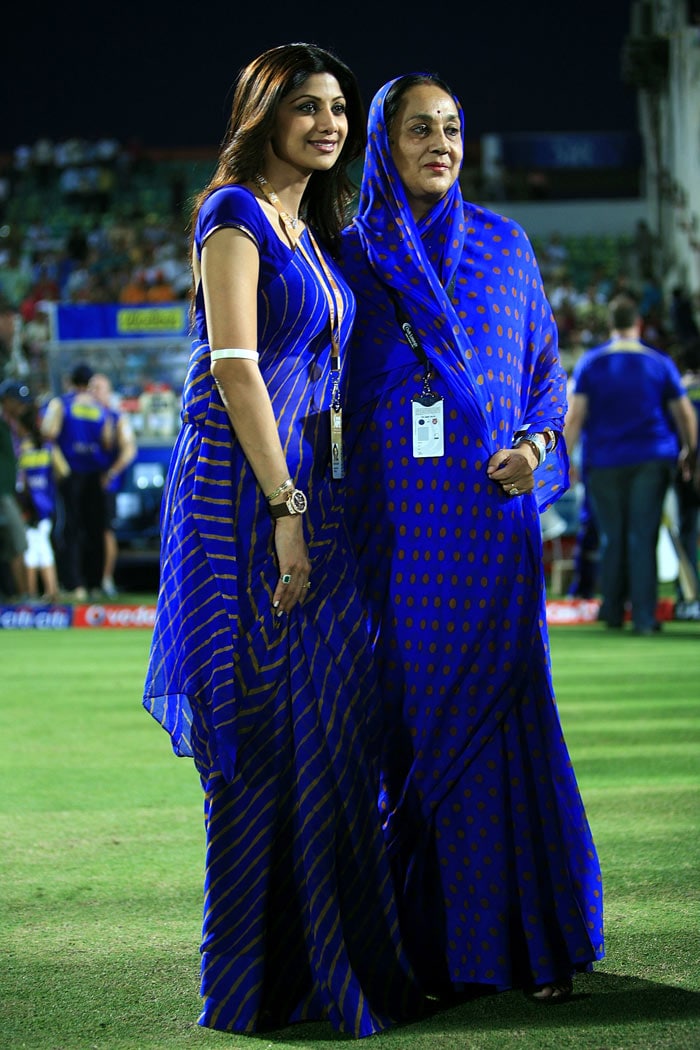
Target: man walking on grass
{"x":639,"y":426}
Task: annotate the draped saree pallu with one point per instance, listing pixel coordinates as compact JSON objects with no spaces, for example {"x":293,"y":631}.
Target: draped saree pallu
{"x":281,"y":716}
{"x":500,"y":882}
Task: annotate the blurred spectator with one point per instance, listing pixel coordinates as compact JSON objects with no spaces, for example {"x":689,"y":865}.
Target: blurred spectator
{"x":135,"y":290}
{"x":160,"y":290}
{"x":651,"y":298}
{"x":14,"y":396}
{"x":115,"y":461}
{"x":15,"y":278}
{"x":592,"y":316}
{"x":5,"y":190}
{"x":34,"y":335}
{"x":81,"y":428}
{"x":77,"y":244}
{"x":22,"y":159}
{"x":688,"y":488}
{"x":40,"y":466}
{"x":44,"y":162}
{"x":623,"y":284}
{"x":554,"y":257}
{"x":638,"y":423}
{"x":684,"y":327}
{"x":8,"y":323}
{"x":644,"y":251}
{"x":44,"y":288}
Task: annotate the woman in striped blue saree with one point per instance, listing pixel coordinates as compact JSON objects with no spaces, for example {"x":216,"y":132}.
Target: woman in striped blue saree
{"x":455,"y":406}
{"x":261,"y":665}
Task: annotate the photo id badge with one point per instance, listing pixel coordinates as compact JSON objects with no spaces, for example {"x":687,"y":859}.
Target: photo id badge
{"x":428,"y":426}
{"x":337,"y":463}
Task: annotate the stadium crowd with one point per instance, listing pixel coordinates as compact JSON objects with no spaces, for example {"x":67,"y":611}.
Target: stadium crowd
{"x":103,"y":223}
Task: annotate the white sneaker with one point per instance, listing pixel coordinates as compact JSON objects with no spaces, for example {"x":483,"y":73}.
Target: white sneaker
{"x":108,"y":587}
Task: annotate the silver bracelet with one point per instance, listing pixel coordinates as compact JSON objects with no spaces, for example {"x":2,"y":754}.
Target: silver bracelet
{"x":288,"y":484}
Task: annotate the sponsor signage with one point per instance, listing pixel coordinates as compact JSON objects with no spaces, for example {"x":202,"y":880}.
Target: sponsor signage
{"x":38,"y":617}
{"x":59,"y":617}
{"x":95,"y":321}
{"x":99,"y":615}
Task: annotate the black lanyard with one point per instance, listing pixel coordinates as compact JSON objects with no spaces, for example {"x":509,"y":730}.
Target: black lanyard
{"x":412,"y":339}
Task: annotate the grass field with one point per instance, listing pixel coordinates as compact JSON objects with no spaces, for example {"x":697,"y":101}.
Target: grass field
{"x":101,"y":853}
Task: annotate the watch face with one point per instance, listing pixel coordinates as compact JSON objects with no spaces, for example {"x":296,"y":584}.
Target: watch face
{"x":298,"y":502}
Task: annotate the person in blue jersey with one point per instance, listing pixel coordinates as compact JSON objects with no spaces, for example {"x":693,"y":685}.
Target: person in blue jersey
{"x":115,"y":461}
{"x":639,"y":425}
{"x":81,"y":429}
{"x":455,"y":404}
{"x":40,"y":467}
{"x":260,"y":665}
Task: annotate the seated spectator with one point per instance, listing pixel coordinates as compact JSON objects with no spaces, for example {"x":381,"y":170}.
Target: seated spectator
{"x":44,"y":289}
{"x":135,"y":290}
{"x":160,"y":290}
{"x":554,"y":256}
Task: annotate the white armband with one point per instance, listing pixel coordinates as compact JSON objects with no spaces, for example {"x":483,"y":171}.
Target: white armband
{"x":246,"y":355}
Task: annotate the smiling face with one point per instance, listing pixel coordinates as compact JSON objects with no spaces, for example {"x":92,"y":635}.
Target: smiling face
{"x":426,"y":145}
{"x":311,"y":125}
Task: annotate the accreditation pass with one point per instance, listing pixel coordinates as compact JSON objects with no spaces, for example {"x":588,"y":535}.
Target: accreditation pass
{"x":428,"y":426}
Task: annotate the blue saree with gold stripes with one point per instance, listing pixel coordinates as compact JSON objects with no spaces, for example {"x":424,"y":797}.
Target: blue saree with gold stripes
{"x":282,"y":717}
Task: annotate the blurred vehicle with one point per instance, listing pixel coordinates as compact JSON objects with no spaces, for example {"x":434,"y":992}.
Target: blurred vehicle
{"x":137,"y":521}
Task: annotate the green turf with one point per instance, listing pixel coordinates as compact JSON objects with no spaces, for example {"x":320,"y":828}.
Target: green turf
{"x":101,"y":853}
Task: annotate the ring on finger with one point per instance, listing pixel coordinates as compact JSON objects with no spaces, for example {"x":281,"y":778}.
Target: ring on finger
{"x":286,"y":578}
{"x":513,"y":490}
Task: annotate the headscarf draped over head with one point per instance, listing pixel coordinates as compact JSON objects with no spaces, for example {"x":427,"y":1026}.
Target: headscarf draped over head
{"x":469,"y":282}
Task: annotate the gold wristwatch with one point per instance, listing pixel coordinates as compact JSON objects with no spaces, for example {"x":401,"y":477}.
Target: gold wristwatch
{"x":294,"y":504}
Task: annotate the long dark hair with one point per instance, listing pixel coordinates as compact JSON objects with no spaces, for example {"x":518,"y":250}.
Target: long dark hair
{"x":399,"y":88}
{"x":259,"y":88}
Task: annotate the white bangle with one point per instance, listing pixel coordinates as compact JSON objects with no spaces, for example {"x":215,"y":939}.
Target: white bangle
{"x":245,"y":355}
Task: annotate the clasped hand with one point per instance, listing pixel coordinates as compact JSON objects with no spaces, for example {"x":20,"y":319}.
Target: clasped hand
{"x":511,"y":469}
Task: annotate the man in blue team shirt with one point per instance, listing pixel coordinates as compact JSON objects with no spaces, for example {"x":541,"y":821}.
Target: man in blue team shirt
{"x":629,"y":404}
{"x":82,"y":430}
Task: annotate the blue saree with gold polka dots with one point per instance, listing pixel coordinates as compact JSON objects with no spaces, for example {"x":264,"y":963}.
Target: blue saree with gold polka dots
{"x":493,"y":855}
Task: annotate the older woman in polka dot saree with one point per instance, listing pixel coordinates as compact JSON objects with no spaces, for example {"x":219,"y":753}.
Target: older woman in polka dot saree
{"x":493,"y":856}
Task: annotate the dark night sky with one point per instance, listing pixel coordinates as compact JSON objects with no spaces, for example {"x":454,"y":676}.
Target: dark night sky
{"x":153,"y":72}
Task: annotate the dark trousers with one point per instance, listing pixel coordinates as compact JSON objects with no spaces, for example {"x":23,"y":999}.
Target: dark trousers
{"x":628,"y":504}
{"x":80,"y":538}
